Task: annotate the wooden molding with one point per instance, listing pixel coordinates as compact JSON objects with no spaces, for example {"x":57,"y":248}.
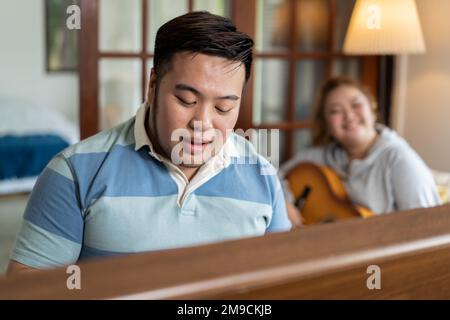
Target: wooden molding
{"x":412,"y":249}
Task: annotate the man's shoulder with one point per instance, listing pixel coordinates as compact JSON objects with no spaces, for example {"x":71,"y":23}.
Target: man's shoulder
{"x":104,"y":141}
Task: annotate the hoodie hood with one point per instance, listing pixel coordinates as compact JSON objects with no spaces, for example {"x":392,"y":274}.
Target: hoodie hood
{"x":336,"y":157}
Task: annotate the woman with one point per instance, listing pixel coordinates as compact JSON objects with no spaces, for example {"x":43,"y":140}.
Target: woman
{"x":379,"y":169}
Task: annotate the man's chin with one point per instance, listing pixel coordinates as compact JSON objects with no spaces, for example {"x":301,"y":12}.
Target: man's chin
{"x":190,"y":165}
{"x":194,"y":161}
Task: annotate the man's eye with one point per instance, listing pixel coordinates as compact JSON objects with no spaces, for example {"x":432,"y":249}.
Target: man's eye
{"x":223,"y":110}
{"x":188,"y":103}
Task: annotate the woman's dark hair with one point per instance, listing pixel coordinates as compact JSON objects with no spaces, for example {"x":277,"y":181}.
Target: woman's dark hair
{"x":201,"y":32}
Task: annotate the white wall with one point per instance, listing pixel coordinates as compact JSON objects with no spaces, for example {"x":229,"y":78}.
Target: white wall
{"x":424,"y":114}
{"x":23,"y":75}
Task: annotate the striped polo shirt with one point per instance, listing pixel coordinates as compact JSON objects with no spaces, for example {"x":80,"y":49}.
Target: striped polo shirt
{"x":113,"y":194}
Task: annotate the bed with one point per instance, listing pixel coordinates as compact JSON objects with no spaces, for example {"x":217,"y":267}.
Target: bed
{"x":29,"y":138}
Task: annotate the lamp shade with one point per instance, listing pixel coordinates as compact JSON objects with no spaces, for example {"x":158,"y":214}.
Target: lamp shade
{"x":384,"y":27}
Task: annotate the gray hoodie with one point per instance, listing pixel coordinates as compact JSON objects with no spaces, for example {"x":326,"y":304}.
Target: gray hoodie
{"x":391,"y":177}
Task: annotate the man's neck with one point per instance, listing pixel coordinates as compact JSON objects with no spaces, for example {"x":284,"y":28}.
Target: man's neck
{"x":151,"y":133}
{"x":189,"y":172}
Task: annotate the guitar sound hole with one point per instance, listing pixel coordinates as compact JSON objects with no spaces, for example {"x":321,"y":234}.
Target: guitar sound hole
{"x":300,"y":202}
{"x":328,"y":219}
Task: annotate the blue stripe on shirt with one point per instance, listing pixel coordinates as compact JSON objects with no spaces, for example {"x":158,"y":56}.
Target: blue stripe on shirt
{"x":89,"y":253}
{"x":228,"y":183}
{"x":53,"y":206}
{"x":121,"y":173}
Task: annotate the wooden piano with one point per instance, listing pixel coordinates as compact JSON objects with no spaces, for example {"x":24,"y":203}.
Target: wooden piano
{"x":330,"y":261}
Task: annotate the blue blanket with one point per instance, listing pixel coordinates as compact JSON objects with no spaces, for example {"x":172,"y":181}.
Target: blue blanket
{"x":27,"y":156}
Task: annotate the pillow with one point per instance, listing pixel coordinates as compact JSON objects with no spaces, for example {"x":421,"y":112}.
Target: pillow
{"x":442,"y":180}
{"x":23,"y":119}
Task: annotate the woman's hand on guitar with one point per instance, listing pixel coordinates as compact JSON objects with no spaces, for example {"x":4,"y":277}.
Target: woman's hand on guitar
{"x":320,"y":196}
{"x":294,"y":215}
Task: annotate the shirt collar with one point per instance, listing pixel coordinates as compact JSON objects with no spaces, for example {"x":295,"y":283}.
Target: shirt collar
{"x":140,"y":134}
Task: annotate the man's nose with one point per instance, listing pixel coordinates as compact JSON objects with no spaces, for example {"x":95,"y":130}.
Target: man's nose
{"x":203,"y":116}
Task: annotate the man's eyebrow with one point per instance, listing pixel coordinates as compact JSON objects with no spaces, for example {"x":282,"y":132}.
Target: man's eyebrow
{"x":186,"y":87}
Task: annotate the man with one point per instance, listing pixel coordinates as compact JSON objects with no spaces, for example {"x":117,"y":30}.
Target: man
{"x":173,"y":175}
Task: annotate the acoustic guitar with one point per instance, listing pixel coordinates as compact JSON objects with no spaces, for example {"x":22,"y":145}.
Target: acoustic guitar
{"x":320,"y":195}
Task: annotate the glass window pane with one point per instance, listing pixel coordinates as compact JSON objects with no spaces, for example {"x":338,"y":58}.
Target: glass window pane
{"x":120,"y":90}
{"x":269,"y":143}
{"x":310,"y":75}
{"x":302,"y":140}
{"x":120,"y":25}
{"x":219,"y":7}
{"x":313,"y":18}
{"x":350,"y":67}
{"x":272,"y":25}
{"x":282,"y":147}
{"x":159,"y":12}
{"x":270,"y":90}
{"x":343,"y":14}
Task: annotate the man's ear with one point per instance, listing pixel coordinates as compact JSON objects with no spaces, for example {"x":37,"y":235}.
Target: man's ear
{"x":151,"y":86}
